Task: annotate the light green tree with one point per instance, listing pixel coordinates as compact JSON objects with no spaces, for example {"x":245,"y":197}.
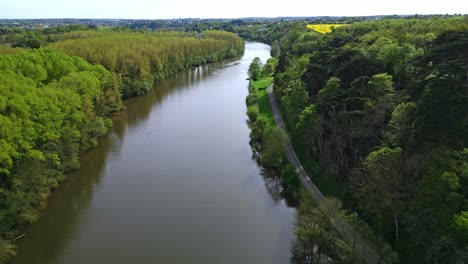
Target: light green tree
{"x":255,"y":69}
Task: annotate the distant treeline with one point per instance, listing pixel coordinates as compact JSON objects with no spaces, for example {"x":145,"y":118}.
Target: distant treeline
{"x":55,"y":102}
{"x":140,"y":59}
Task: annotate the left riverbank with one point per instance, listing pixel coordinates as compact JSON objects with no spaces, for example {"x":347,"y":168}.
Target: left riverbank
{"x":55,"y":103}
{"x":174,"y":172}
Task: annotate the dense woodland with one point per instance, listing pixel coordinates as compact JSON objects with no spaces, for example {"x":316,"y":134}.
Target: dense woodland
{"x":55,"y":102}
{"x":140,"y":59}
{"x":378,"y":113}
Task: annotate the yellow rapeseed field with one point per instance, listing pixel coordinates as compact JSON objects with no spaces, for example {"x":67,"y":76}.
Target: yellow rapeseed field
{"x":324,"y":28}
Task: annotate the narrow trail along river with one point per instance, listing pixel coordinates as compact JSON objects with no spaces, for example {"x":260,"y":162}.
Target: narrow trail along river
{"x":172,"y":182}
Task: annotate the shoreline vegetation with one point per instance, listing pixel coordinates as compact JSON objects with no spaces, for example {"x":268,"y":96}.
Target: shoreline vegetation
{"x":314,"y":227}
{"x":377,"y":113}
{"x":55,"y":103}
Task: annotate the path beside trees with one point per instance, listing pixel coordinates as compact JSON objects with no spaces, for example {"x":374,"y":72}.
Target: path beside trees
{"x":350,"y":234}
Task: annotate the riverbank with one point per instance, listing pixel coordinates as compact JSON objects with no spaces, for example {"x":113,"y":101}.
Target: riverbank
{"x":60,"y":108}
{"x":340,"y":227}
{"x":171,"y":174}
{"x":268,"y":140}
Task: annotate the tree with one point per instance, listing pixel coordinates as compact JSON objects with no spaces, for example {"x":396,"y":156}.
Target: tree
{"x":389,"y":114}
{"x":252,"y":112}
{"x":317,"y":240}
{"x":442,"y":113}
{"x":31,"y":39}
{"x":396,"y":58}
{"x":255,"y":68}
{"x":461,"y":224}
{"x":308,"y":133}
{"x":6,"y":251}
{"x":443,"y":105}
{"x":383,"y":177}
{"x":401,"y":127}
{"x":438,"y":200}
{"x":275,"y":49}
{"x":273,"y":146}
{"x":269,"y":68}
{"x":251,"y":99}
{"x":295,"y":100}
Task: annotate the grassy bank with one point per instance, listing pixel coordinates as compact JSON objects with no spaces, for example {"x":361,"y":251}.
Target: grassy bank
{"x":259,"y":88}
{"x":267,"y":139}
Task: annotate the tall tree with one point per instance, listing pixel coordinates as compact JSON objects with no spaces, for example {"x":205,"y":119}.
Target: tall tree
{"x":383,"y":180}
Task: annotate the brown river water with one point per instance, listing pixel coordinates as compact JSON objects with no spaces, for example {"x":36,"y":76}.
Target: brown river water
{"x":172,"y":182}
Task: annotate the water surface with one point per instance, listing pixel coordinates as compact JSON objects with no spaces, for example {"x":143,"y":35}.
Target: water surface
{"x":172,"y":182}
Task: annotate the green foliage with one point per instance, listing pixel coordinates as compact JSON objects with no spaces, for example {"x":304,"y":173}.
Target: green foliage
{"x":389,"y":119}
{"x":275,"y":49}
{"x":381,"y":187}
{"x":317,"y":241}
{"x":255,"y":69}
{"x":273,"y":147}
{"x":295,"y":100}
{"x":251,"y":99}
{"x":383,"y":249}
{"x":438,"y":200}
{"x":307,"y":132}
{"x":54,"y":106}
{"x":401,"y":128}
{"x":252,"y":112}
{"x":258,"y":103}
{"x":461,"y":224}
{"x":9,"y":50}
{"x":443,"y":105}
{"x":50,"y":109}
{"x":291,"y":184}
{"x":396,"y":58}
{"x":30,"y":39}
{"x":262,"y":83}
{"x":142,"y":59}
{"x":270,"y":67}
{"x":6,"y":251}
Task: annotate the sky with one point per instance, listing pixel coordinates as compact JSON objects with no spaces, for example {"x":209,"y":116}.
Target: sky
{"x":166,"y":9}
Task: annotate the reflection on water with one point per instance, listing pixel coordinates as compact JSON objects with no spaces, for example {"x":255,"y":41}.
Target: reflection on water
{"x":273,"y":185}
{"x":172,"y":182}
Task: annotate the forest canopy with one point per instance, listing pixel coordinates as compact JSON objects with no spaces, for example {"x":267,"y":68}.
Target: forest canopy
{"x":140,"y":59}
{"x":385,"y":125}
{"x":55,"y":102}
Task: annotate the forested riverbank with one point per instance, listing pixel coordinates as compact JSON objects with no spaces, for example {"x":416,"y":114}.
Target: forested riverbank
{"x":55,"y":102}
{"x":377,"y":112}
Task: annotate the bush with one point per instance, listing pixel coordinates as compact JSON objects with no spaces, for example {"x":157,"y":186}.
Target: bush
{"x":252,"y":112}
{"x":6,"y":251}
{"x":251,"y":99}
{"x":291,"y":184}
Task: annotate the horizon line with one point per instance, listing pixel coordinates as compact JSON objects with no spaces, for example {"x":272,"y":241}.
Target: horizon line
{"x":252,"y":17}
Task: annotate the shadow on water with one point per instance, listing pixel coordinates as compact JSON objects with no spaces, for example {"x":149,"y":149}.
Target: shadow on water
{"x":199,"y":200}
{"x":139,"y":108}
{"x":66,"y":204}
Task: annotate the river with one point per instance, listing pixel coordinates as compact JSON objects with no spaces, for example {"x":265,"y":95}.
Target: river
{"x":172,"y":182}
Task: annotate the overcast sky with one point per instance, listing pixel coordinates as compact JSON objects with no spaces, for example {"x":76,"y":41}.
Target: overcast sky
{"x":156,"y":9}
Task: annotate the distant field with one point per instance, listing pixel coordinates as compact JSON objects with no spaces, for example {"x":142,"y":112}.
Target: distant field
{"x":324,"y":28}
